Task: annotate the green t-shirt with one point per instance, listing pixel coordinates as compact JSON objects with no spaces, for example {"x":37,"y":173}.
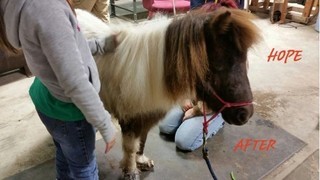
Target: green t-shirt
{"x":51,"y":106}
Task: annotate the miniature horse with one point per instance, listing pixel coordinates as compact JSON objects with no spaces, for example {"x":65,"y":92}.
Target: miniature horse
{"x":162,"y":62}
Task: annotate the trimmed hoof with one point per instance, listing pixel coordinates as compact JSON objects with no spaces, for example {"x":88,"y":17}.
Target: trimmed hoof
{"x":144,"y":163}
{"x":131,"y":175}
{"x":145,"y":166}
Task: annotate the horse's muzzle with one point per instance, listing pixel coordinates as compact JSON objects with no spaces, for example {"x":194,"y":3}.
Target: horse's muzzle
{"x":238,"y":115}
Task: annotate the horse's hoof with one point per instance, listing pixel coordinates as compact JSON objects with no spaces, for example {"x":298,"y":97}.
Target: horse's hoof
{"x":145,"y":166}
{"x":144,"y":163}
{"x":131,"y":176}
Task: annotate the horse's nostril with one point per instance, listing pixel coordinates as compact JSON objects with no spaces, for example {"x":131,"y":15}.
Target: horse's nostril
{"x":243,"y":116}
{"x":238,"y":116}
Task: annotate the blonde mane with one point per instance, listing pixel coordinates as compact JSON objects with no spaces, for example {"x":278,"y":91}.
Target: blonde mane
{"x":132,"y":79}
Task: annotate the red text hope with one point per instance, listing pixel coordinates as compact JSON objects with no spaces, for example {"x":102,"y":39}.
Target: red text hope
{"x":285,"y":55}
{"x":255,"y":145}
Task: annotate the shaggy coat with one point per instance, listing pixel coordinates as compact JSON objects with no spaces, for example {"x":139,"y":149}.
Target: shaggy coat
{"x":160,"y":63}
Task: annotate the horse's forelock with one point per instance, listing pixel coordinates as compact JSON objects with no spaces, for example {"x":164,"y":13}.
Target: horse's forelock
{"x":185,"y":54}
{"x":247,"y":31}
{"x":238,"y":22}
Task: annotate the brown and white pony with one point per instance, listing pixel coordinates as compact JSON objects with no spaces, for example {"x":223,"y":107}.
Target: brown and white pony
{"x":162,"y":62}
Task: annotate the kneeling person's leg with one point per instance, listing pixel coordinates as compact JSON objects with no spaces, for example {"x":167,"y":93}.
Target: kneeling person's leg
{"x":189,"y":135}
{"x":171,"y":121}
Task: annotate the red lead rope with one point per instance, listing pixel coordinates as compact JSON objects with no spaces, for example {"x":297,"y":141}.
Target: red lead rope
{"x":206,"y":124}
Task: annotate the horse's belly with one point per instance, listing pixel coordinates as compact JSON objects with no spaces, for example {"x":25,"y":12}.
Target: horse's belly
{"x":126,"y":107}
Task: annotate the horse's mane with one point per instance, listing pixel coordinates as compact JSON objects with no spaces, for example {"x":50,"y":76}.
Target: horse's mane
{"x":136,"y":68}
{"x":186,"y":58}
{"x":185,"y":54}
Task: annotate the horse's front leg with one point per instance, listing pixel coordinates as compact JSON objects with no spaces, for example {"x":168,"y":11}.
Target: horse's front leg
{"x":134,"y":135}
{"x":130,"y":147}
{"x":143,"y":162}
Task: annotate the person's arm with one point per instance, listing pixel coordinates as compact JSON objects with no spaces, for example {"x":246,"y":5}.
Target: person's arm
{"x":94,"y":46}
{"x":57,"y":39}
{"x":102,"y":46}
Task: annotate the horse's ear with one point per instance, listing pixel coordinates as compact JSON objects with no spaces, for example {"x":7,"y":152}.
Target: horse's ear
{"x":222,"y":22}
{"x":244,"y":29}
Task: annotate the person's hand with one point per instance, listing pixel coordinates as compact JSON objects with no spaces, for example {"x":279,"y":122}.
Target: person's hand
{"x":188,"y":114}
{"x":110,"y":144}
{"x":107,"y":44}
{"x":110,"y":43}
{"x":192,"y":112}
{"x":187,"y":105}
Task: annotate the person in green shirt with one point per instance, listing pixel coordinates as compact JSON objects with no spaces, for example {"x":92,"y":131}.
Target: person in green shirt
{"x":66,"y":87}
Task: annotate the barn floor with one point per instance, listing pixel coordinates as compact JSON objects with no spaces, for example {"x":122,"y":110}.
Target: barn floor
{"x":247,"y":163}
{"x":286,"y":111}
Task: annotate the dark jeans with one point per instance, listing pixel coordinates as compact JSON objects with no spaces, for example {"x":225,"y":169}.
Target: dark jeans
{"x":75,"y":145}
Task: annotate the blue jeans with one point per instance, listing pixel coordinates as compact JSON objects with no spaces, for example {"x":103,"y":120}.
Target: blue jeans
{"x":75,"y":145}
{"x":188,"y":134}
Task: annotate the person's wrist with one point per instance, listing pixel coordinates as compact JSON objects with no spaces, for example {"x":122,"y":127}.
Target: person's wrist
{"x":110,"y":43}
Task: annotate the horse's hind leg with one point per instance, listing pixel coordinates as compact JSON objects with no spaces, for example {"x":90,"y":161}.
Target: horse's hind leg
{"x":143,"y":162}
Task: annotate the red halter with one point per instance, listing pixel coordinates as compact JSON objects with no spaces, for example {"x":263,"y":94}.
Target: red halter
{"x":225,"y":105}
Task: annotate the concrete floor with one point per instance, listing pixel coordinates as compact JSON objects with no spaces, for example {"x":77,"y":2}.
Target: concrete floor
{"x":285,"y":93}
